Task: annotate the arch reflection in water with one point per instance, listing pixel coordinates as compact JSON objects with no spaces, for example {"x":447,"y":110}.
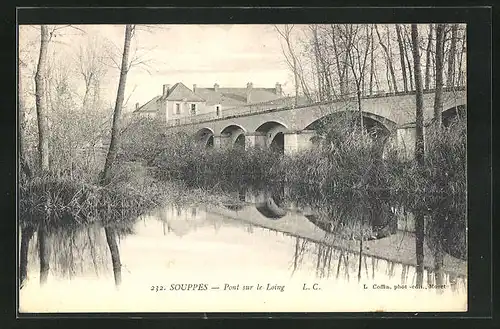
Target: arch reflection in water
{"x":270,"y":203}
{"x":356,"y":217}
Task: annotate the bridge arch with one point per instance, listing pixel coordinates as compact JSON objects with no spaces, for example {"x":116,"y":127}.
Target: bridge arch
{"x":205,"y":136}
{"x":370,"y":121}
{"x":453,"y":113}
{"x":234,"y":135}
{"x":274,"y":135}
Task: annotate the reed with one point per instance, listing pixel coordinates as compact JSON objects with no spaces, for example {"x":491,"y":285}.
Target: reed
{"x":341,"y":161}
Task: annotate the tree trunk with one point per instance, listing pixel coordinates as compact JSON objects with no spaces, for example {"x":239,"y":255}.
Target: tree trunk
{"x":41,"y":102}
{"x":115,"y":254}
{"x":462,"y":51}
{"x":428,"y":57}
{"x":450,"y":80}
{"x":340,"y":69}
{"x":115,"y":138}
{"x":410,"y":74}
{"x":359,"y":108}
{"x":402,"y":56}
{"x":295,"y":76}
{"x":438,"y":99}
{"x":390,"y":56}
{"x":86,"y":96}
{"x":419,"y":111}
{"x":22,"y":127}
{"x":372,"y":62}
{"x":318,"y":66}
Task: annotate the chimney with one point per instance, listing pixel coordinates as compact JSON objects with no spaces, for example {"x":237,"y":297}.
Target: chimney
{"x":194,"y":88}
{"x":279,"y":92}
{"x":166,"y":90}
{"x":216,"y":87}
{"x":249,"y":92}
{"x":136,"y":106}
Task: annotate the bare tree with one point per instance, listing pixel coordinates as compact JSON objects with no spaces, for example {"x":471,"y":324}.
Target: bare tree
{"x":438,"y":99}
{"x":291,"y":59}
{"x":407,"y":41}
{"x":463,"y":50}
{"x":92,"y":69}
{"x":22,"y":126}
{"x":360,"y":46}
{"x":450,"y":80}
{"x":388,"y":58}
{"x":402,"y":52}
{"x":114,"y":144}
{"x":428,"y":57}
{"x":419,"y":110}
{"x":319,"y":73}
{"x":372,"y":61}
{"x":341,"y":48}
{"x":41,"y":104}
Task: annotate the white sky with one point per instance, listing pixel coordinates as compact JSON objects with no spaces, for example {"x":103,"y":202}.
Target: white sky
{"x":230,"y":55}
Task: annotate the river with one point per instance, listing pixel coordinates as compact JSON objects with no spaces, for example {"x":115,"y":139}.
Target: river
{"x":271,"y":250}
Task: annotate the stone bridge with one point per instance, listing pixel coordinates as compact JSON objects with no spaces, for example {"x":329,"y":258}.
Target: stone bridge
{"x":290,"y":128}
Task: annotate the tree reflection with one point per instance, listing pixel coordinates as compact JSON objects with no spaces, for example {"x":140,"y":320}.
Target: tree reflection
{"x":419,"y":247}
{"x":71,"y":248}
{"x":446,"y":233}
{"x":26,"y":236}
{"x":43,"y":253}
{"x":115,"y":254}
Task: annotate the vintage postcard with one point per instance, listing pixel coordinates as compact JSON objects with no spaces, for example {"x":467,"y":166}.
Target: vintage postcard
{"x":243,"y":168}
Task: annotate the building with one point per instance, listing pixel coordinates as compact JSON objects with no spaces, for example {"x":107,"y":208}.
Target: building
{"x":178,"y":101}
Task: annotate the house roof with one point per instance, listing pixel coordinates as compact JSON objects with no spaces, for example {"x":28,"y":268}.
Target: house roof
{"x":236,"y":96}
{"x":150,"y":106}
{"x":228,"y":97}
{"x":180,"y":92}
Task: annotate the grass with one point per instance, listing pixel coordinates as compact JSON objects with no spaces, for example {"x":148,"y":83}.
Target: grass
{"x":68,"y":201}
{"x":342,"y":161}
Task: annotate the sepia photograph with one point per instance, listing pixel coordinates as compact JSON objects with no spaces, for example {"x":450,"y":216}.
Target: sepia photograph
{"x":242,"y":168}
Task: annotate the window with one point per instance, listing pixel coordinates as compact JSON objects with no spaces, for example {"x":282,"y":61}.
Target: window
{"x":217,"y":110}
{"x":177,"y":108}
{"x":193,"y":109}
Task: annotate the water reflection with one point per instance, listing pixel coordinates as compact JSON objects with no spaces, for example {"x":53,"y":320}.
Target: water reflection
{"x":353,"y":217}
{"x":270,"y":203}
{"x":115,"y":254}
{"x":69,"y":252}
{"x":355,"y":238}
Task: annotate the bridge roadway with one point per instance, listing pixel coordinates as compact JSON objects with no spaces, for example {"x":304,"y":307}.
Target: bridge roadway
{"x":260,"y":125}
{"x":397,"y":248}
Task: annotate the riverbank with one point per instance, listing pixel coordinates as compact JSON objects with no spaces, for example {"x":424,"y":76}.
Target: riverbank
{"x":66,"y":200}
{"x":182,"y":171}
